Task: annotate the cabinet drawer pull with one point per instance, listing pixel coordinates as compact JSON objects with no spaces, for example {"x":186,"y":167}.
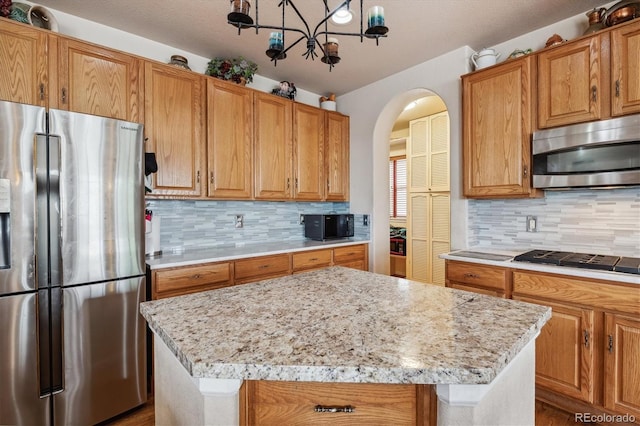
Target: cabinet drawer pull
{"x":196,"y":277}
{"x":334,"y":409}
{"x":263,"y":266}
{"x":471,"y":275}
{"x":586,"y":339}
{"x":314,"y":259}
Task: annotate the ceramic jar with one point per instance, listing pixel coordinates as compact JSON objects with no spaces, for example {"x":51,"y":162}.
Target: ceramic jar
{"x":484,"y":58}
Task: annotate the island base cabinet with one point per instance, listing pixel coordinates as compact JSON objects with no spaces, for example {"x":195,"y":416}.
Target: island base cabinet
{"x":314,"y":403}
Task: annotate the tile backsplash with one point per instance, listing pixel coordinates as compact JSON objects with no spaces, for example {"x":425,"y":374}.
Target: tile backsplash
{"x":187,"y":224}
{"x":587,"y":221}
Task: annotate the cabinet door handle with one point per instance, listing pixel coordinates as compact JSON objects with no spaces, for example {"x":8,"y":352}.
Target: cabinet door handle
{"x":610,"y":345}
{"x":211,"y":178}
{"x":334,"y":409}
{"x":617,"y":88}
{"x":525,"y":171}
{"x":594,"y":93}
{"x":64,"y":95}
{"x":288,"y":183}
{"x":198,"y":176}
{"x":328,"y":185}
{"x":41,"y":91}
{"x":586,"y":338}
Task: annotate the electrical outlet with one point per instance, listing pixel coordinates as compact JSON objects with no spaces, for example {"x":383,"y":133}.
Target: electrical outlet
{"x":365,"y":220}
{"x":239,"y":220}
{"x":532,"y":223}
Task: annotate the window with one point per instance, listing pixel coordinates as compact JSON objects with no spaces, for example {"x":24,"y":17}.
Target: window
{"x":398,"y":187}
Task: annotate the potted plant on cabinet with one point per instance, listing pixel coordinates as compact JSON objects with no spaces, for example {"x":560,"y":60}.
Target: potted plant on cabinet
{"x":238,"y":70}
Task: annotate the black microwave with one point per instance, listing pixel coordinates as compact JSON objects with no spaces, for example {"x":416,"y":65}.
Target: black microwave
{"x":322,"y":227}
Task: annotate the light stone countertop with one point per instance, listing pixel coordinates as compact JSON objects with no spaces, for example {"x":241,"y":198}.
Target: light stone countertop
{"x":344,"y":325}
{"x":621,"y":277}
{"x":170,"y":259}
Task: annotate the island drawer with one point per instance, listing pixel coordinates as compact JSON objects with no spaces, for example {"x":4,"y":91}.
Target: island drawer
{"x":275,"y":402}
{"x":306,"y":260}
{"x":256,"y":268}
{"x":480,"y":275}
{"x":171,"y":282}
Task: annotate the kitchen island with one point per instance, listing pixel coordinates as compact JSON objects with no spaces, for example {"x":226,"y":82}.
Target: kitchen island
{"x":343,"y":326}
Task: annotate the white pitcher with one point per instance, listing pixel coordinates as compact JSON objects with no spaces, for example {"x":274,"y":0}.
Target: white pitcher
{"x":484,"y":58}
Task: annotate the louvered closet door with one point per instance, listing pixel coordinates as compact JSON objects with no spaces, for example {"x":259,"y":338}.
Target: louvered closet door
{"x":438,"y":152}
{"x":418,"y":237}
{"x":440,"y":230}
{"x":417,"y":149}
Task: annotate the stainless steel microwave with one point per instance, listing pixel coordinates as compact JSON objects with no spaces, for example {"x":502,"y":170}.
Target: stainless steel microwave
{"x":328,"y":226}
{"x":589,"y":155}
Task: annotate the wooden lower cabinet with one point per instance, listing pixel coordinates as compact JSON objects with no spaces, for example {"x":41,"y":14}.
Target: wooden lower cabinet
{"x":622,"y":364}
{"x":168,"y":282}
{"x":588,"y":354}
{"x":564,"y":351}
{"x":482,"y":279}
{"x":257,"y":268}
{"x":302,"y":403}
{"x":190,"y":279}
{"x":308,"y":260}
{"x":356,"y":257}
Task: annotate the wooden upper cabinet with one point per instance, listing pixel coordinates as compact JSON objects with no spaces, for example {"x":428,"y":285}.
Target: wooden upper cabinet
{"x":308,"y":150}
{"x":625,"y":70}
{"x":100,"y":81}
{"x":496,"y":131}
{"x":336,"y":156}
{"x":273,"y":138}
{"x":570,"y":83}
{"x":23,"y":64}
{"x":175,"y":128}
{"x":622,"y":369}
{"x":229,"y":140}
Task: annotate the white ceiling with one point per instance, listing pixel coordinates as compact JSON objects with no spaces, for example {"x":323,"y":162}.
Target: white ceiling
{"x":419,"y":30}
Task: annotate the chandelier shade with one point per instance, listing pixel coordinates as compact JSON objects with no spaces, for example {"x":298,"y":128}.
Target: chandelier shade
{"x":320,"y":38}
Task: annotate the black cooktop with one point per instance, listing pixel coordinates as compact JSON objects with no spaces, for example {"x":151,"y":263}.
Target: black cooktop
{"x":630,"y":265}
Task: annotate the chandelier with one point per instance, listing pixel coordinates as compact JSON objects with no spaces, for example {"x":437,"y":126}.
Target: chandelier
{"x":320,"y":37}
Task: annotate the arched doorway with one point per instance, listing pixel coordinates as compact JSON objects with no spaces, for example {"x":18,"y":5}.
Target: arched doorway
{"x":391,"y":120}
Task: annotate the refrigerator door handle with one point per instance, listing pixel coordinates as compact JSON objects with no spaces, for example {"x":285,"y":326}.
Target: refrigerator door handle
{"x":55,"y":257}
{"x":49,"y":261}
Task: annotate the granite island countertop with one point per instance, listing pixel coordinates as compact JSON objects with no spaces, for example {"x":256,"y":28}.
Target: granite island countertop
{"x":344,"y":325}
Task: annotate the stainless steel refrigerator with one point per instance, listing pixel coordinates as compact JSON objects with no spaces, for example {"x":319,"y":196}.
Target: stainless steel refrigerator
{"x":72,"y":342}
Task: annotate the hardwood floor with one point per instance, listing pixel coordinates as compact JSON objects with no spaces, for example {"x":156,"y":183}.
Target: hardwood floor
{"x":144,"y":415}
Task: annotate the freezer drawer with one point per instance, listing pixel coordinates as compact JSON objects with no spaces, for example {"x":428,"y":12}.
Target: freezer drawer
{"x":104,"y":352}
{"x":20,"y":403}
